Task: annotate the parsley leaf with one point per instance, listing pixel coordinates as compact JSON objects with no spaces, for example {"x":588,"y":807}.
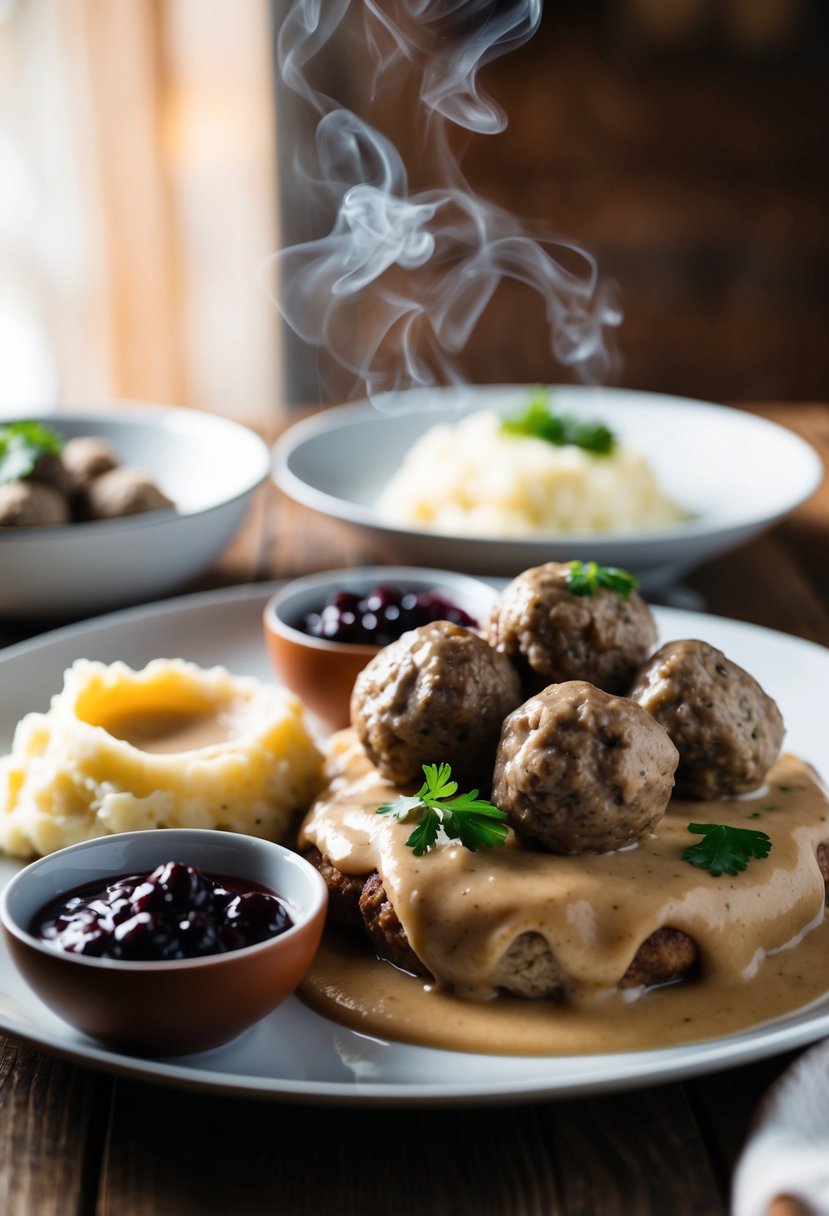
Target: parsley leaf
{"x":425,"y":834}
{"x":585,"y":578}
{"x":476,"y":823}
{"x":725,"y":850}
{"x":21,"y":446}
{"x":538,"y":421}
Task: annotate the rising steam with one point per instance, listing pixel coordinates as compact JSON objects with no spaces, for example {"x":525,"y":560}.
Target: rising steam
{"x":396,"y":288}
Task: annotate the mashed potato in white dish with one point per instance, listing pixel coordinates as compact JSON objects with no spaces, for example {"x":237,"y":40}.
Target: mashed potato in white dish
{"x":173,"y":745}
{"x":471,"y":478}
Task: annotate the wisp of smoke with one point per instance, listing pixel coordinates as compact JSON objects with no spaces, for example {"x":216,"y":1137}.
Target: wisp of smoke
{"x":393,"y":292}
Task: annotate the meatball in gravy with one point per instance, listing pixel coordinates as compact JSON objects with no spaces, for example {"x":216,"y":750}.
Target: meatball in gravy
{"x":553,"y":635}
{"x":439,"y":693}
{"x":580,"y":771}
{"x":728,"y":731}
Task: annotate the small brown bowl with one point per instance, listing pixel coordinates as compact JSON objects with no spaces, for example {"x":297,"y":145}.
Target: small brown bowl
{"x":166,"y":1008}
{"x":322,"y":672}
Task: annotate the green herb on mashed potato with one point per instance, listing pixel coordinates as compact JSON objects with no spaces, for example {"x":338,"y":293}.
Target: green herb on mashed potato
{"x":21,"y":446}
{"x":538,"y":421}
{"x":469,"y":476}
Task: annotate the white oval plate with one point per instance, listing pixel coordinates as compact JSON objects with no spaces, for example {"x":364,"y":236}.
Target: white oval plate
{"x":736,"y":474}
{"x":295,"y":1054}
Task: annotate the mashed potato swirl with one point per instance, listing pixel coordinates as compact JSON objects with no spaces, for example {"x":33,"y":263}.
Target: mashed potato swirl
{"x":470,"y":478}
{"x":96,"y":763}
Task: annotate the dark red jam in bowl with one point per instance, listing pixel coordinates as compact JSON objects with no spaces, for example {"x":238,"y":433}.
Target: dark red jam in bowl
{"x":176,"y":912}
{"x":380,"y":616}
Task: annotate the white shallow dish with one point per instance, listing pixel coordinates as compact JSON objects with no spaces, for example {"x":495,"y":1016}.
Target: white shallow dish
{"x":297,"y":1055}
{"x":209,"y":466}
{"x":736,"y":474}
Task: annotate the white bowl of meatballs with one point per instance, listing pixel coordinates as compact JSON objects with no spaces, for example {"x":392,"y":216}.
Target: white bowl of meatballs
{"x":103,"y":508}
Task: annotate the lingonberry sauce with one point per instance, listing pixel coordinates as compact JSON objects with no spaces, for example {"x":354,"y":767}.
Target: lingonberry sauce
{"x":380,"y":616}
{"x":174,"y":913}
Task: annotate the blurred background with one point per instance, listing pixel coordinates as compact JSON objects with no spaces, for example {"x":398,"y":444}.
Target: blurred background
{"x":146,"y":174}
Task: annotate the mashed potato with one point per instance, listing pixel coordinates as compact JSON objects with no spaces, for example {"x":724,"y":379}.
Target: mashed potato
{"x":174,"y":745}
{"x":470,"y":478}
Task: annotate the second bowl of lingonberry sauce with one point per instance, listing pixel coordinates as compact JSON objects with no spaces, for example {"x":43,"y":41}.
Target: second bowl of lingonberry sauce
{"x":320,"y":631}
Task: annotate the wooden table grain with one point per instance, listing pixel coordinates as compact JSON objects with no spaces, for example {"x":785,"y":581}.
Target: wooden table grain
{"x":76,"y":1142}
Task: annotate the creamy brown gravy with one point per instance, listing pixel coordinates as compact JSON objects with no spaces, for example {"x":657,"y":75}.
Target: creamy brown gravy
{"x":461,"y":910}
{"x":348,"y":984}
{"x":169,"y":731}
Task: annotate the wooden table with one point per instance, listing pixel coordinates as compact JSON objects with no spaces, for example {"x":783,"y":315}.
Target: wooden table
{"x":78,"y":1142}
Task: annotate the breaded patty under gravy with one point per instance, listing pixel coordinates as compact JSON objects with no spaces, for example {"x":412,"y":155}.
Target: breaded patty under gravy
{"x":539,"y":925}
{"x":527,"y":968}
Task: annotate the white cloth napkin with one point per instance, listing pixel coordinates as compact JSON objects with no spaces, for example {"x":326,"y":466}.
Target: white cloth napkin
{"x":787,"y":1152}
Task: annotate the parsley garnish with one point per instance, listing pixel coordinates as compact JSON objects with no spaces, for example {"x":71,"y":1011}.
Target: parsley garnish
{"x":476,"y":823}
{"x":585,"y":578}
{"x":725,"y":850}
{"x":538,"y":421}
{"x":21,"y":446}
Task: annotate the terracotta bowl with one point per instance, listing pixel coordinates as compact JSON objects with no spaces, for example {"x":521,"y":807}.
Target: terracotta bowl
{"x":322,"y":672}
{"x":166,"y":1008}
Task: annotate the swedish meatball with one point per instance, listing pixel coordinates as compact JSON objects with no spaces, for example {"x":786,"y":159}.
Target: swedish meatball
{"x":439,"y":693}
{"x":122,"y":491}
{"x":32,"y":504}
{"x":553,"y":635}
{"x":85,"y":457}
{"x":51,"y":470}
{"x":581,"y":771}
{"x":728,"y":731}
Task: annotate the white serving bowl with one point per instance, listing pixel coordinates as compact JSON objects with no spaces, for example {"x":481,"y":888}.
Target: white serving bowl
{"x":208,"y":465}
{"x":736,"y":475}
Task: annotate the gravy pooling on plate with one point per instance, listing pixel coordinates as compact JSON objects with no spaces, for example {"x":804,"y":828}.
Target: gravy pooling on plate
{"x":461,"y":910}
